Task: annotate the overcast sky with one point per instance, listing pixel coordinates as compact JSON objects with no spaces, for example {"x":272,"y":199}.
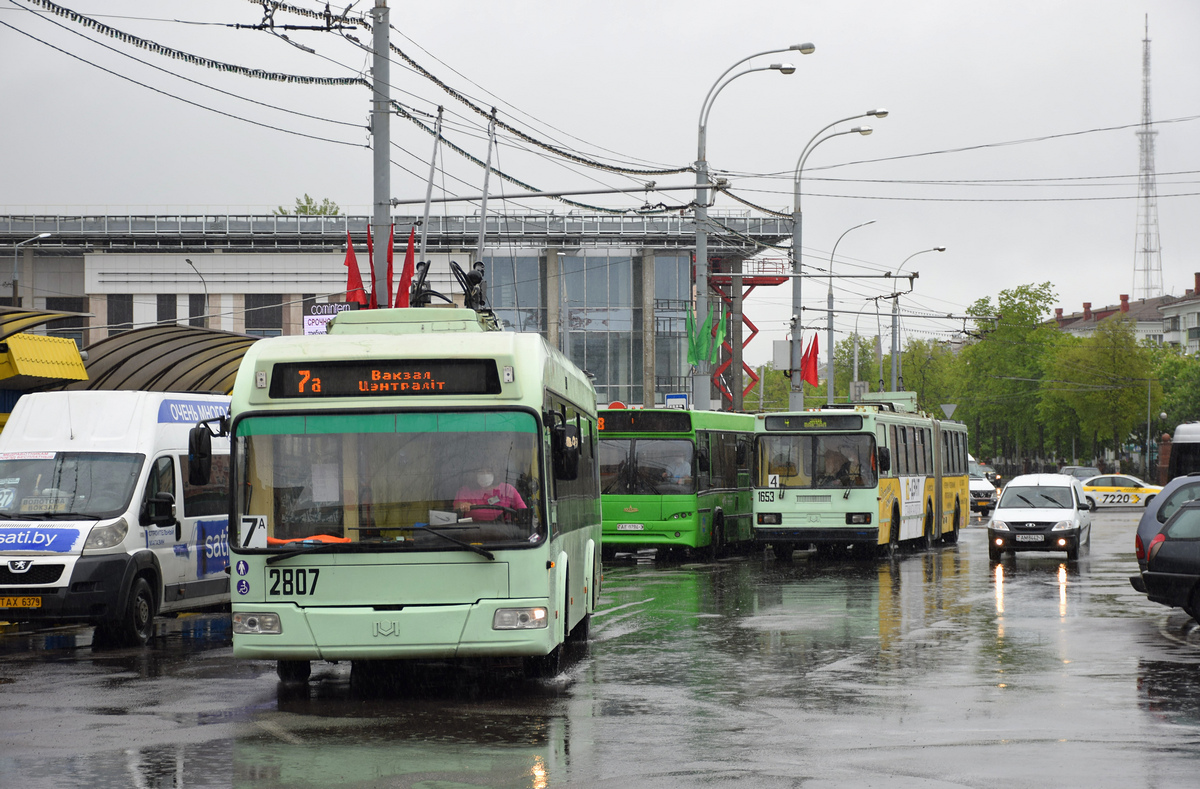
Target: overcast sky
{"x":1010,"y":139}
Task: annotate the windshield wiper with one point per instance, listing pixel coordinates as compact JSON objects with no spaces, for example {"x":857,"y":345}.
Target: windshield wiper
{"x":311,"y":548}
{"x":485,"y":553}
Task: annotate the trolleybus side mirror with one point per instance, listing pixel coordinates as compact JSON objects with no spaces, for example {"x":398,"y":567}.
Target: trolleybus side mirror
{"x":885,"y":459}
{"x":199,"y":455}
{"x":566,"y":451}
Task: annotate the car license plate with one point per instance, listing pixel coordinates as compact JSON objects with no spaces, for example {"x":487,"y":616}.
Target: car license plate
{"x":1030,"y":537}
{"x":20,"y":602}
{"x":630,"y":527}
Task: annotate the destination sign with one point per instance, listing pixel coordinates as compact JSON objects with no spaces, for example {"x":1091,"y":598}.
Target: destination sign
{"x":795,"y":422}
{"x":388,"y":378}
{"x":622,"y":421}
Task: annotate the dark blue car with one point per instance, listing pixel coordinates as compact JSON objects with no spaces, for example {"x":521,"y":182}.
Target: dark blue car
{"x":1172,"y":574}
{"x":1158,"y":512}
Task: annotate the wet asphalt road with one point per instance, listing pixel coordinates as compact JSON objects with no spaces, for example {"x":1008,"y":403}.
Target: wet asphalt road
{"x":936,"y":670}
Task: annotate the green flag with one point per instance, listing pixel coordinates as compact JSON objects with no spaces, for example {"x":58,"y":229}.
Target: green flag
{"x":692,"y":356}
{"x":720,"y":335}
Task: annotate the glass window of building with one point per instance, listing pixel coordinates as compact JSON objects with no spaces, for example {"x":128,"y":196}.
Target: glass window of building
{"x":120,"y":313}
{"x":514,"y":288}
{"x":603,"y":329}
{"x":672,"y":300}
{"x":196,"y":309}
{"x":67,"y":327}
{"x":264,"y":314}
{"x":167,"y":308}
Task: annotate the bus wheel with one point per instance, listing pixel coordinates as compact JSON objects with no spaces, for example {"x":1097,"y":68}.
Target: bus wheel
{"x":293,"y":670}
{"x":544,"y":666}
{"x":136,"y":623}
{"x":783,"y":551}
{"x":892,"y":550}
{"x":578,"y":638}
{"x":928,"y":538}
{"x":716,"y":546}
{"x":951,"y":537}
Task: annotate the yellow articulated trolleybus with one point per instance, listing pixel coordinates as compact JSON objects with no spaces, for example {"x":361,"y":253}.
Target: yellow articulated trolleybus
{"x":674,"y":479}
{"x":414,"y":484}
{"x":867,"y":476}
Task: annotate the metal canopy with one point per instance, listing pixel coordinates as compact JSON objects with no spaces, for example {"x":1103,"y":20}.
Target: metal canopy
{"x":166,"y":359}
{"x":14,"y":320}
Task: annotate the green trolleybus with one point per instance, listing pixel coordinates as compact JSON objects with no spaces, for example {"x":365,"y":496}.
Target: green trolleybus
{"x":675,"y":479}
{"x":865,"y":476}
{"x":414,"y":484}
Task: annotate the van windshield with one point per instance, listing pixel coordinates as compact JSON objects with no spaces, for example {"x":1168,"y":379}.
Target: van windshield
{"x":51,"y":485}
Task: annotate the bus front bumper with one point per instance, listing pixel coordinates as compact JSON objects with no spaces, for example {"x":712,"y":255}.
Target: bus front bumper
{"x":851,"y":535}
{"x":417,"y":632}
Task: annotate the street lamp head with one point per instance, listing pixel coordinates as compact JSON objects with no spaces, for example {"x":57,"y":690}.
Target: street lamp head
{"x":863,"y":130}
{"x":784,"y":68}
{"x":939,"y":249}
{"x":879,"y":113}
{"x":42,"y":235}
{"x":804,"y":49}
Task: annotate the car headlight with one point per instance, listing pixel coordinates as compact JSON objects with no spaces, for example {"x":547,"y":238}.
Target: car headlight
{"x":102,"y":537}
{"x":999,"y":525}
{"x":1062,"y":526}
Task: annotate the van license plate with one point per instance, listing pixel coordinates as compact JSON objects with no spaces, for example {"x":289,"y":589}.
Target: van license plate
{"x":630,"y":527}
{"x":20,"y":602}
{"x":1030,"y":537}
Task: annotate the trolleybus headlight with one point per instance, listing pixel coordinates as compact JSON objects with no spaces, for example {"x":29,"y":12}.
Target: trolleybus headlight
{"x":519,"y":619}
{"x":107,"y":536}
{"x":999,"y":525}
{"x":770,"y":518}
{"x":858,"y":517}
{"x":257,"y":624}
{"x":1062,"y":526}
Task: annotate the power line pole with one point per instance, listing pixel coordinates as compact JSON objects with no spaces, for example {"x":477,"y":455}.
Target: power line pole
{"x":381,"y":142}
{"x":1147,"y":266}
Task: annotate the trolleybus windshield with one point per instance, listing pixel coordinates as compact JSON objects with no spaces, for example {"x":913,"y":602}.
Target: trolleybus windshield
{"x":826,"y":460}
{"x":394,"y":481}
{"x":651,"y":466}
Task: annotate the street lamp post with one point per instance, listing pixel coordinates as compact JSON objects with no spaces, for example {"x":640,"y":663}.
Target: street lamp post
{"x":897,"y":376}
{"x":829,"y":321}
{"x":796,"y":395}
{"x":701,"y":385}
{"x":205,"y":284}
{"x":16,"y":249}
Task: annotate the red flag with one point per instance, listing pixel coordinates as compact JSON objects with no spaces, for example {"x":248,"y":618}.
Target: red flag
{"x":387,"y":293}
{"x":406,"y":274}
{"x":371,"y":257}
{"x":354,"y":284}
{"x":808,"y":371}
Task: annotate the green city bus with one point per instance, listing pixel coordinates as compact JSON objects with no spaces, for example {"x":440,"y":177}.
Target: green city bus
{"x":414,"y":484}
{"x":674,"y":479}
{"x":866,"y":476}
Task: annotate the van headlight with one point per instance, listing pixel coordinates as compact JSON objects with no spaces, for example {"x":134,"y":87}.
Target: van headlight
{"x":257,"y":624}
{"x":1062,"y":526}
{"x":102,"y":537}
{"x":519,"y":619}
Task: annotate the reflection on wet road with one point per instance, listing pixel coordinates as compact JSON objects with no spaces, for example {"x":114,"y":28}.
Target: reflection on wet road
{"x":936,"y":669}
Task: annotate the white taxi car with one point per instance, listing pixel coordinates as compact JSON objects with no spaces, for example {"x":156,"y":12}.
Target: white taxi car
{"x":1118,"y":490}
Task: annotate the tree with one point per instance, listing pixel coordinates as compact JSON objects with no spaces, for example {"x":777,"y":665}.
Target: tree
{"x":308,"y":207}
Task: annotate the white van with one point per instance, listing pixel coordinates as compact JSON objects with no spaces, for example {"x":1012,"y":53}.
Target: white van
{"x":101,"y":518}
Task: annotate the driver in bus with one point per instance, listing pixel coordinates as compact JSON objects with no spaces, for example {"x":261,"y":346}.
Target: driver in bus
{"x":837,"y":464}
{"x":482,"y":489}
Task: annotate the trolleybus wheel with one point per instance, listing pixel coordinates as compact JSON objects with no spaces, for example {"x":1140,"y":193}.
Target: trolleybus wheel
{"x":892,"y":550}
{"x":927,"y":537}
{"x":951,"y":538}
{"x":293,"y":670}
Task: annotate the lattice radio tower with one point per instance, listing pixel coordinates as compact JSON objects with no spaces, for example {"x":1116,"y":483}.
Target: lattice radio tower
{"x":1147,"y":266}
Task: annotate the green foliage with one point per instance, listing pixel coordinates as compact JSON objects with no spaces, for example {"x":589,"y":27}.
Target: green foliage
{"x":306,"y":206}
{"x":1179,"y":376}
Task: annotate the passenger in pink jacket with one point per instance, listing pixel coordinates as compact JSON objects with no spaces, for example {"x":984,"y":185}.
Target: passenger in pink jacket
{"x":486,"y":490}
